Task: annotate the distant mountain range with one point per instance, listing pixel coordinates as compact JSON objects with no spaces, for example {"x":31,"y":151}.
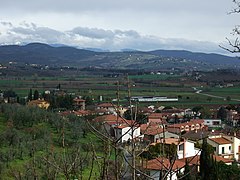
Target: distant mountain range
{"x":60,"y":55}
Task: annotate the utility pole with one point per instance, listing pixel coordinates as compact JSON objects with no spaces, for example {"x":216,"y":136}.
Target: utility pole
{"x":115,"y":145}
{"x":132,"y":133}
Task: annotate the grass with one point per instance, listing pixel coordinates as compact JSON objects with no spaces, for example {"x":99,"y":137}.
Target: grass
{"x":2,"y":124}
{"x":154,"y":76}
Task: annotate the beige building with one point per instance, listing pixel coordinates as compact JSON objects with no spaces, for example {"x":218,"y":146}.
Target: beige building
{"x":40,"y":103}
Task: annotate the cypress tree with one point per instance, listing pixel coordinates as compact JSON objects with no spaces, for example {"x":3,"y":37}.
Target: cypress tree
{"x":30,"y":95}
{"x":36,"y":95}
{"x":208,"y":168}
{"x":187,"y":174}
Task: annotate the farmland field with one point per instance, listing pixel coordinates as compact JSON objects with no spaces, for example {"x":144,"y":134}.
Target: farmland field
{"x":100,"y":84}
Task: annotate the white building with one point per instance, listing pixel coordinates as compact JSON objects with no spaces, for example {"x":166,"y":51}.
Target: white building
{"x":185,"y":148}
{"x":155,"y":166}
{"x":125,"y":132}
{"x":222,"y":146}
{"x":213,"y":123}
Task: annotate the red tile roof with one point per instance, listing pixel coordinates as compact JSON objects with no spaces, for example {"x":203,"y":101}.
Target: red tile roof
{"x":164,"y":164}
{"x":189,"y":123}
{"x":153,"y":131}
{"x":78,"y":100}
{"x":105,"y":105}
{"x":221,"y":140}
{"x":169,"y":141}
{"x":155,"y":115}
{"x":195,"y":160}
{"x":82,"y":112}
{"x":113,"y":119}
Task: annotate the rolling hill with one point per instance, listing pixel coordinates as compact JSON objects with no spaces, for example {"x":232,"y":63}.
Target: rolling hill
{"x":152,"y":60}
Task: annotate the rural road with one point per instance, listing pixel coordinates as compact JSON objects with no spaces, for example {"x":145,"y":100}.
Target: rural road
{"x":210,"y":95}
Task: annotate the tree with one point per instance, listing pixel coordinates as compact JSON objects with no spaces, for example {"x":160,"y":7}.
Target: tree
{"x":35,"y":95}
{"x":141,"y":118}
{"x":88,"y":100}
{"x":9,"y":93}
{"x":30,"y":95}
{"x":209,"y":99}
{"x":207,"y":163}
{"x":187,"y":172}
{"x":228,"y":98}
{"x":222,"y":113}
{"x":234,"y":45}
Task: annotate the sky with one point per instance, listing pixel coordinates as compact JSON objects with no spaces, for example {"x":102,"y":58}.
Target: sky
{"x":195,"y":25}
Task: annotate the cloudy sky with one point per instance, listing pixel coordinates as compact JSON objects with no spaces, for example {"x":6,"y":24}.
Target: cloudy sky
{"x":196,"y":25}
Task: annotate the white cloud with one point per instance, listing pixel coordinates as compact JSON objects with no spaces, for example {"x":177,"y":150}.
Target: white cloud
{"x":85,"y":37}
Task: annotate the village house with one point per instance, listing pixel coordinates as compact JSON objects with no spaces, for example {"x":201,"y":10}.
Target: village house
{"x":213,"y":123}
{"x":118,"y":127}
{"x":222,"y":146}
{"x":227,"y":146}
{"x":236,"y":120}
{"x":185,"y":148}
{"x":157,"y":118}
{"x":194,"y":162}
{"x":163,"y":167}
{"x":79,"y":103}
{"x":230,"y":115}
{"x":192,"y":125}
{"x":153,"y":132}
{"x":39,"y":103}
{"x":126,"y":132}
{"x":196,"y":136}
{"x":107,"y":106}
{"x":82,"y":113}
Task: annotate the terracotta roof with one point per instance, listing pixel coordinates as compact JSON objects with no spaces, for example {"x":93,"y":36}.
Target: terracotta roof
{"x":79,"y":100}
{"x":65,"y":113}
{"x":221,"y":140}
{"x":173,"y":130}
{"x":113,"y":119}
{"x":109,"y":117}
{"x":106,"y":105}
{"x":153,"y":131}
{"x":155,"y":115}
{"x":189,"y":123}
{"x":164,"y":164}
{"x":196,"y":135}
{"x":82,"y":112}
{"x":169,"y":141}
{"x":195,"y":160}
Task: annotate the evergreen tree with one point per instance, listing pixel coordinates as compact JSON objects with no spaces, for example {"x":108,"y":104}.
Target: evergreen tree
{"x":30,"y":95}
{"x":187,"y":172}
{"x":222,"y":113}
{"x":207,"y":163}
{"x":35,"y":95}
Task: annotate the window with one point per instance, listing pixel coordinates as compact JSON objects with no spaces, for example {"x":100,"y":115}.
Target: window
{"x":229,"y":148}
{"x":223,"y":150}
{"x":181,"y":147}
{"x":216,"y":123}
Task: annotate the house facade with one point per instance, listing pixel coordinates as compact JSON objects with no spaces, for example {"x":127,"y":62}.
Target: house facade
{"x":126,"y":133}
{"x":222,"y":146}
{"x":192,"y":125}
{"x":213,"y":123}
{"x":164,"y":168}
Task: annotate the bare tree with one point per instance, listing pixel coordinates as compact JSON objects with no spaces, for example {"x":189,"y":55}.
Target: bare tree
{"x":234,"y":44}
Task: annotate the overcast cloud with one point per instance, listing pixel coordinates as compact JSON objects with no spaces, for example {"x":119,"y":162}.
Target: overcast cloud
{"x":143,"y":25}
